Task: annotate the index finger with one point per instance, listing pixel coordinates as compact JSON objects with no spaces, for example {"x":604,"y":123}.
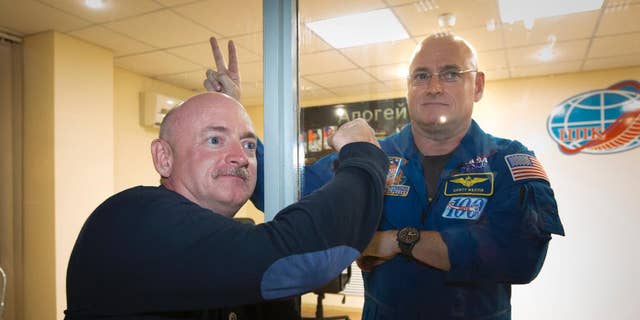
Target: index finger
{"x":217,"y":55}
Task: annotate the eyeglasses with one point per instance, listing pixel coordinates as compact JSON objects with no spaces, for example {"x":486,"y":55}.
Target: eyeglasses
{"x":448,"y":76}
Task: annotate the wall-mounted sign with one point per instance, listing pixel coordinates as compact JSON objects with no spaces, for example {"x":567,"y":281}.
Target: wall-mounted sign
{"x":386,"y":117}
{"x":598,"y":122}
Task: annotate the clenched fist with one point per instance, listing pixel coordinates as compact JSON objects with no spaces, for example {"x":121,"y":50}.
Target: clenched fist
{"x":357,"y":130}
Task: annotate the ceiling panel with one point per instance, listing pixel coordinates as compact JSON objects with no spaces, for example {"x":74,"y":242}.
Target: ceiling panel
{"x":612,"y":62}
{"x":190,"y":80}
{"x":397,"y":85}
{"x":373,"y":88}
{"x":417,"y":22}
{"x":389,"y":72}
{"x":171,"y":3}
{"x":156,"y":63}
{"x":252,"y":93}
{"x":162,"y":29}
{"x":496,"y":74}
{"x":621,"y":45}
{"x":620,"y":17}
{"x":310,"y":42}
{"x":201,"y":54}
{"x":251,"y":72}
{"x":546,"y":69}
{"x":251,"y":42}
{"x":168,"y":39}
{"x":313,"y":10}
{"x":28,"y":16}
{"x":323,"y":62}
{"x":470,"y":14}
{"x":399,"y":2}
{"x":565,"y":51}
{"x":492,"y":60}
{"x":576,"y":26}
{"x":381,"y":53}
{"x":341,"y":78}
{"x":118,"y":43}
{"x":113,"y":10}
{"x":227,"y":18}
{"x":483,"y":39}
{"x":311,"y":91}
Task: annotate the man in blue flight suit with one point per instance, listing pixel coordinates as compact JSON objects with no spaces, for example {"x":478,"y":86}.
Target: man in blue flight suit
{"x":466,"y":214}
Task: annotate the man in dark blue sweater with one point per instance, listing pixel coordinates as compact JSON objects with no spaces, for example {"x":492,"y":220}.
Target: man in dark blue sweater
{"x":173,"y":251}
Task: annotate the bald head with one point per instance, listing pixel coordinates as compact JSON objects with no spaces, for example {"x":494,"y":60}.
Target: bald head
{"x":182,"y":115}
{"x":447,"y":39}
{"x":207,"y":152}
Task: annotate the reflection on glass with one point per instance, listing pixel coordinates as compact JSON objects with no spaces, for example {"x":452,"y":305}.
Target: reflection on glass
{"x":533,"y":56}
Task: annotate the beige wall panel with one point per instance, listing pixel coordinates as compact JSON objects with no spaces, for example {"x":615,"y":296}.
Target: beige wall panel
{"x":38,"y":206}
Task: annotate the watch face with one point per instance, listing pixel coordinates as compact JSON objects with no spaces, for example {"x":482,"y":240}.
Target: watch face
{"x":409,"y":235}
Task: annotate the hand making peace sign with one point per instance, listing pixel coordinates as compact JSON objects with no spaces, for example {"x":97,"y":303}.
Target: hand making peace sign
{"x":225,"y":80}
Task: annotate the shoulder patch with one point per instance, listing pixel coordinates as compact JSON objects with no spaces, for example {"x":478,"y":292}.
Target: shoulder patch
{"x":395,"y":173}
{"x":524,"y":166}
{"x":395,"y":178}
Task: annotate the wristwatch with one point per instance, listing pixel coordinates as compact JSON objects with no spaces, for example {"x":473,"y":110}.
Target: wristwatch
{"x":407,"y":239}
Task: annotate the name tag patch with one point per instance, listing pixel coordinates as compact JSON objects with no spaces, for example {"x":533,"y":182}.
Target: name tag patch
{"x":469,"y":184}
{"x":397,"y":190}
{"x":466,"y":208}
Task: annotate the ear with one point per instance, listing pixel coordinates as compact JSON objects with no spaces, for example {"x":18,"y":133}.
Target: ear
{"x":162,"y":155}
{"x":479,"y":90}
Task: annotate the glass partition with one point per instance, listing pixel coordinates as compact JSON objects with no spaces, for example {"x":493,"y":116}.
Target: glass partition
{"x":559,"y":78}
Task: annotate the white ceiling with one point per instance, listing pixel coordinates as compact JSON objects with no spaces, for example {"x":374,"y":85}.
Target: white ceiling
{"x":168,"y":39}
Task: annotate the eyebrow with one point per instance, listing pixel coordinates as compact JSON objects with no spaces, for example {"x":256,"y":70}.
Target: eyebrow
{"x":223,"y":129}
{"x":445,"y":67}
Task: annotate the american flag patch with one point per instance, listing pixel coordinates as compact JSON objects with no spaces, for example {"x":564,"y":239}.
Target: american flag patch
{"x":524,"y":166}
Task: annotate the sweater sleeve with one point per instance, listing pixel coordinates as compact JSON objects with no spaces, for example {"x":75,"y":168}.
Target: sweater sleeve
{"x":142,"y":252}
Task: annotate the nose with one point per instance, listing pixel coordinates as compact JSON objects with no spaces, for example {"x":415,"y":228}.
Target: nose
{"x":434,"y":87}
{"x":237,"y":155}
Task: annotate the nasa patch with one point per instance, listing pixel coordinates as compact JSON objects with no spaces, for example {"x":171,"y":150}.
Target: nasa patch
{"x":466,"y":208}
{"x":598,"y":122}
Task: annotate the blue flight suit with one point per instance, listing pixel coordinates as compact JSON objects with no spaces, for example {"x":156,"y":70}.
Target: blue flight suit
{"x":495,"y":211}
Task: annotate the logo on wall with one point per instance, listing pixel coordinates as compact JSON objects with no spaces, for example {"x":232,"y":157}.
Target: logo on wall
{"x":598,"y":122}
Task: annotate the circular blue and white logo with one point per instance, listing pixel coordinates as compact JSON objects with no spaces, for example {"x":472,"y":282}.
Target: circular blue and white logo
{"x":598,"y":122}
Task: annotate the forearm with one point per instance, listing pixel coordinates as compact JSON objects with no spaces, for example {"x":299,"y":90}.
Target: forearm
{"x":432,"y":250}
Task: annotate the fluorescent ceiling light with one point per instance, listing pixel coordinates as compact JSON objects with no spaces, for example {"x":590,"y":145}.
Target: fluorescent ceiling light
{"x":527,"y":11}
{"x":95,"y":4}
{"x":359,"y":29}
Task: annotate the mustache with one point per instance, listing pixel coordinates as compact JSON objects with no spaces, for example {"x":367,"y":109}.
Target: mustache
{"x":238,"y":172}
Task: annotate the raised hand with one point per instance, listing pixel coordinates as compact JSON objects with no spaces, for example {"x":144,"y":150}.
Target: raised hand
{"x":357,"y":130}
{"x":225,"y":80}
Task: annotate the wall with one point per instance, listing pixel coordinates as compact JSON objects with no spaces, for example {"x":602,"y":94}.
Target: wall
{"x":68,"y":158}
{"x":590,"y":273}
{"x":132,"y":164}
{"x":11,"y":176}
{"x":38,"y":206}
